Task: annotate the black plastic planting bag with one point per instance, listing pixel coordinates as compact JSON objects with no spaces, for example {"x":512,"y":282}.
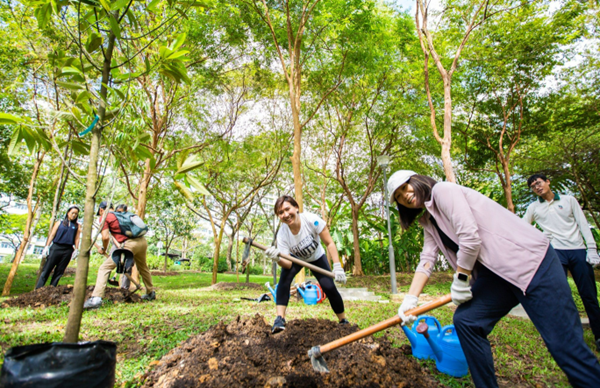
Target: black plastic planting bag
{"x":83,"y":364}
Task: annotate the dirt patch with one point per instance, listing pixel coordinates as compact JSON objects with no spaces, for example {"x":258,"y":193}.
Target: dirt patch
{"x":223,"y":286}
{"x":161,"y":273}
{"x":246,"y":354}
{"x":50,"y":296}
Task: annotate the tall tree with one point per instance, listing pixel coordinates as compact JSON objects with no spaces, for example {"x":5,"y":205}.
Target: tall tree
{"x":505,"y":67}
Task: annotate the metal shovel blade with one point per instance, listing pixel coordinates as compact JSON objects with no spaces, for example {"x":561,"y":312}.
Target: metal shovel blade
{"x":317,"y":360}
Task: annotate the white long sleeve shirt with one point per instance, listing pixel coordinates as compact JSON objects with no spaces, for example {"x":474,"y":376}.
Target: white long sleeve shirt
{"x":563,"y":221}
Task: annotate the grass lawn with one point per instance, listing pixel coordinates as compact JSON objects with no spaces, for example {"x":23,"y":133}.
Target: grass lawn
{"x":145,"y":332}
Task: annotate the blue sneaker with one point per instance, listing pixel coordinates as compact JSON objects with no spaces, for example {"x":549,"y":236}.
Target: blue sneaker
{"x":279,"y":325}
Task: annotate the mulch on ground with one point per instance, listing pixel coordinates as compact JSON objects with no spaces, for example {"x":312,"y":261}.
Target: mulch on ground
{"x":246,"y":354}
{"x":224,"y":286}
{"x":50,"y":296}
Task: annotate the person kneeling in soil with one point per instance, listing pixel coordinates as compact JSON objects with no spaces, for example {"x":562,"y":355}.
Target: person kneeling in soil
{"x":300,"y":236}
{"x":138,"y":246}
{"x":500,"y":261}
{"x":65,"y":241}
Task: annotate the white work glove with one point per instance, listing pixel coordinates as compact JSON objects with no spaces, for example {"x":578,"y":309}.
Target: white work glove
{"x":273,"y":254}
{"x":460,"y":290}
{"x":45,"y":251}
{"x":75,"y":254}
{"x":409,"y":303}
{"x":338,"y":271}
{"x":592,"y":257}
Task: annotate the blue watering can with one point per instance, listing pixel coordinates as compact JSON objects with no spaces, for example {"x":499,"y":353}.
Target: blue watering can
{"x":420,"y":347}
{"x":273,"y":291}
{"x":311,"y":294}
{"x":449,"y":356}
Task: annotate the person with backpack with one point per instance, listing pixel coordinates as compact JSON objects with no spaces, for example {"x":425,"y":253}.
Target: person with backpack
{"x":134,"y":273}
{"x":127,"y":231}
{"x":65,"y":240}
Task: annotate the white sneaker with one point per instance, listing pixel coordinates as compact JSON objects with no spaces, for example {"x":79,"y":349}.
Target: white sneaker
{"x":93,"y":303}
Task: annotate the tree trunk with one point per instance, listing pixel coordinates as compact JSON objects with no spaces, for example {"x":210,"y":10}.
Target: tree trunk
{"x":507,"y":187}
{"x":143,"y":190}
{"x":216,"y":254}
{"x":38,"y":215}
{"x":357,"y":270}
{"x":230,"y":249}
{"x":76,"y":307}
{"x":166,"y":258}
{"x":447,"y":142}
{"x":27,"y":232}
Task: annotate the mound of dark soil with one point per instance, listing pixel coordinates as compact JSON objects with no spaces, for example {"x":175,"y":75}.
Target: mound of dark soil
{"x":246,"y":354}
{"x":235,"y":286}
{"x":49,"y":296}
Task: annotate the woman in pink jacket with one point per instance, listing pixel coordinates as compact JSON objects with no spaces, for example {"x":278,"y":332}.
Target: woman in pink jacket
{"x":499,"y":261}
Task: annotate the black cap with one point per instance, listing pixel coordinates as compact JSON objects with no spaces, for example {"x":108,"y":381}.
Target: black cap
{"x":102,"y":206}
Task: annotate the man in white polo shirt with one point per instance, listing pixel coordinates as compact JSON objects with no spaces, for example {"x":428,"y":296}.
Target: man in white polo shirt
{"x":563,"y":221}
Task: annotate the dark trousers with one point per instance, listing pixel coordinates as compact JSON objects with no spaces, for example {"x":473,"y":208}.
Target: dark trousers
{"x":58,"y":259}
{"x":550,"y":306}
{"x":326,"y":283}
{"x":573,"y":260}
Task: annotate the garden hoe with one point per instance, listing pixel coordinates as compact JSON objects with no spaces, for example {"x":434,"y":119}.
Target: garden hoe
{"x":316,"y":353}
{"x":249,"y":241}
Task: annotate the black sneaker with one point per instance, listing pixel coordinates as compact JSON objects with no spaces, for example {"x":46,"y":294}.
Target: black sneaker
{"x":279,"y":325}
{"x":149,"y":297}
{"x":344,"y":322}
{"x":598,"y":344}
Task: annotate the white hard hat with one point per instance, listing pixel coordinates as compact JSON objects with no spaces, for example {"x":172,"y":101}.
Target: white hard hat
{"x":397,"y":179}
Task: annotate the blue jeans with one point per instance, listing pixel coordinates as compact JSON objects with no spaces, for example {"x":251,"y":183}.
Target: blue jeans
{"x":549,"y":304}
{"x":573,"y":260}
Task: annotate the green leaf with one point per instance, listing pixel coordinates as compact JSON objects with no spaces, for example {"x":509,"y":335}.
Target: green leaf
{"x":119,"y":4}
{"x":83,"y":97}
{"x":14,"y":140}
{"x":190,"y":163}
{"x":196,"y":184}
{"x":94,"y":42}
{"x":76,"y":112}
{"x":153,"y":6}
{"x":80,"y":148}
{"x":114,"y":26}
{"x":43,"y":14}
{"x":71,"y":70}
{"x":178,"y":41}
{"x":69,"y":85}
{"x":7,"y":118}
{"x":105,"y":5}
{"x":184,"y":191}
{"x":178,"y":54}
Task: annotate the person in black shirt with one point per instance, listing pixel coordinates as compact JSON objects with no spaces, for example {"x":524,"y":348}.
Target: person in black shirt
{"x":64,"y":238}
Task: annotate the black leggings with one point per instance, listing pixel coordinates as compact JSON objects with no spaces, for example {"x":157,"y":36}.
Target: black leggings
{"x":327,"y":284}
{"x":58,"y":259}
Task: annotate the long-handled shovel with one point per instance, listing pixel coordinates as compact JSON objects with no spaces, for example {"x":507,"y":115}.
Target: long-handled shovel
{"x":316,"y":353}
{"x":291,"y":258}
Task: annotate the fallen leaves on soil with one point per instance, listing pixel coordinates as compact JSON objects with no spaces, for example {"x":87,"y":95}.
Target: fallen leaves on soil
{"x":49,"y":296}
{"x":246,"y":354}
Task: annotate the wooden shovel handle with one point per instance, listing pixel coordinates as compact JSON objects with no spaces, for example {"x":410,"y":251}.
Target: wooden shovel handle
{"x":294,"y":260}
{"x":385,"y":324}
